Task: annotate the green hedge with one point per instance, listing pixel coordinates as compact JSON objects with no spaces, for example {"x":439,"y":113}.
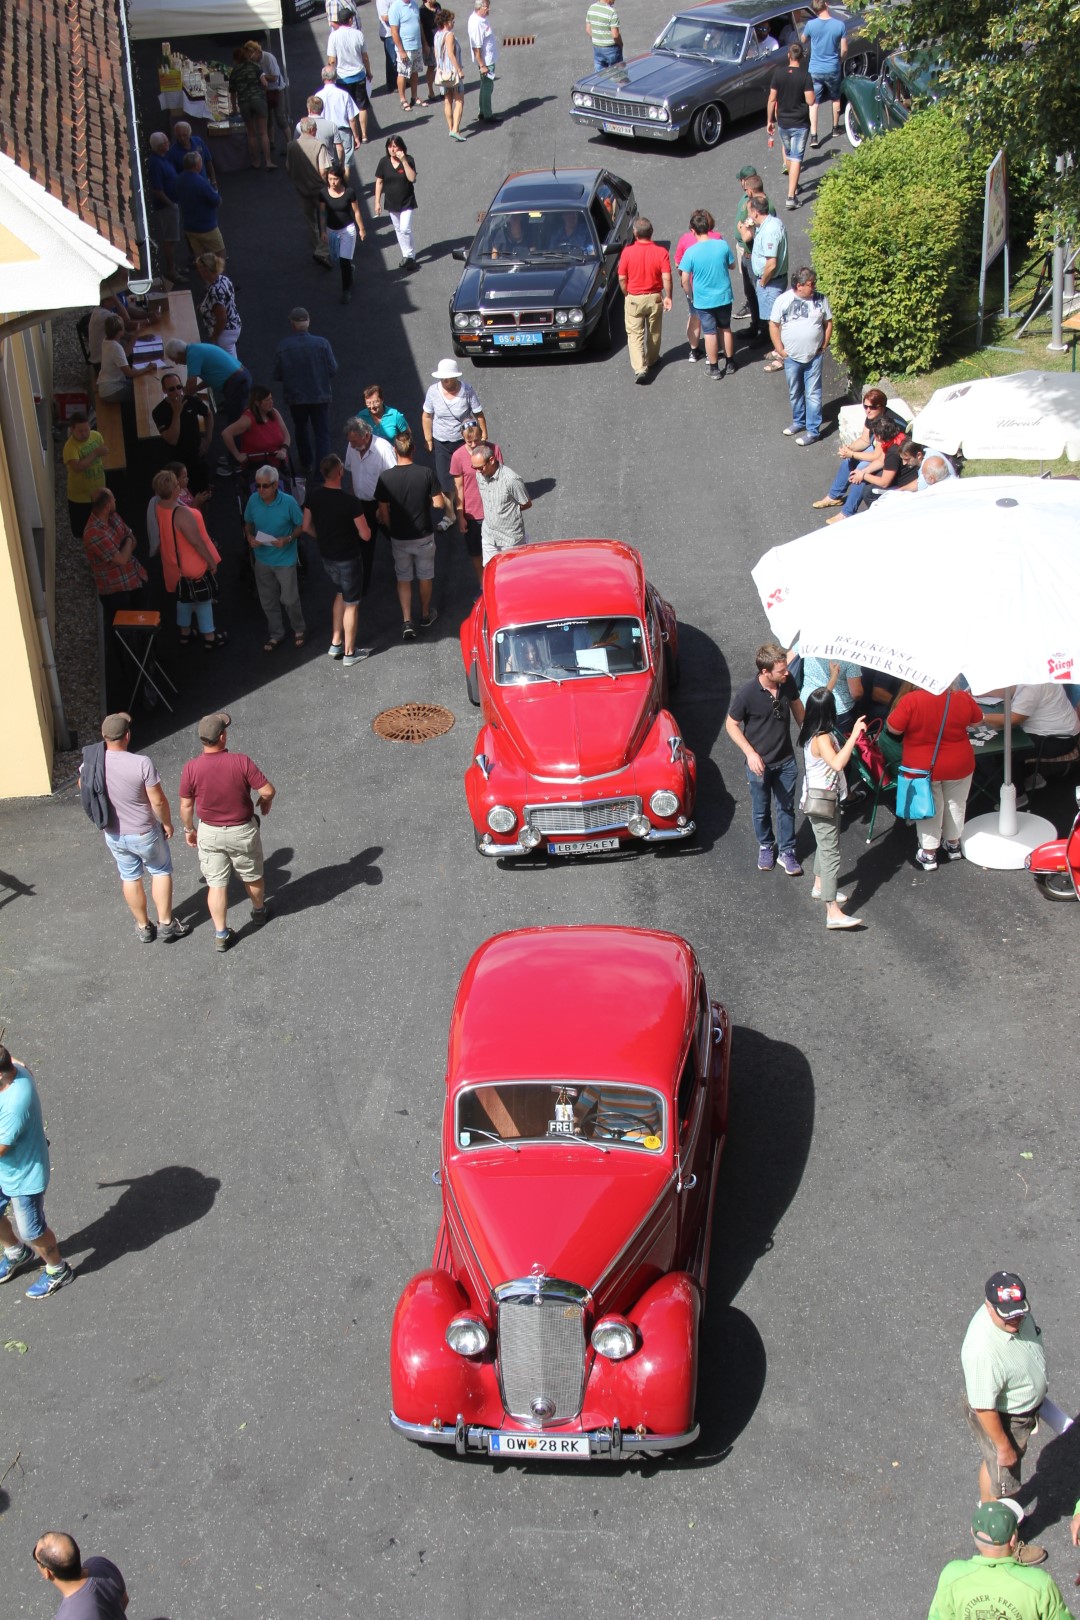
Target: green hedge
{"x":896,"y":235}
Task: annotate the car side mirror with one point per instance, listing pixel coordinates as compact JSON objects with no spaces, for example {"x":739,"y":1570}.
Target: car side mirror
{"x":459,"y":253}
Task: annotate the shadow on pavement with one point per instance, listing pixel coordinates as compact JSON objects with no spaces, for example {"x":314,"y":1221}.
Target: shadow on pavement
{"x":1054,"y":1483}
{"x":318,"y":888}
{"x":151,"y":1208}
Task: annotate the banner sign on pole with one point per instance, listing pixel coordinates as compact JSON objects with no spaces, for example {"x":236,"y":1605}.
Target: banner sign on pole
{"x":995,"y":237}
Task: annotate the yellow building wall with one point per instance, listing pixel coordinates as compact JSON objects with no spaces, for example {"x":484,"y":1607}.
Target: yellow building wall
{"x":26,"y":740}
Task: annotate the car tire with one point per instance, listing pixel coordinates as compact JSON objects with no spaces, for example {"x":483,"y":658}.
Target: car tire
{"x":707,"y":126}
{"x":859,"y":67}
{"x":674,"y":673}
{"x":603,"y":334}
{"x":459,"y":351}
{"x":472,"y":686}
{"x":852,"y":128}
{"x":1057,"y":886}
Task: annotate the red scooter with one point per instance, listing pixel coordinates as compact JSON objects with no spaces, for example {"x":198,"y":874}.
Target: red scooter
{"x":1056,"y":866}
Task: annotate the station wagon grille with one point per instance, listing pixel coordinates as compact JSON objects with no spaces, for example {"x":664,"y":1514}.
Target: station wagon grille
{"x":605,"y":815}
{"x":514,"y":318}
{"x":541,"y":1353}
{"x":612,"y":108}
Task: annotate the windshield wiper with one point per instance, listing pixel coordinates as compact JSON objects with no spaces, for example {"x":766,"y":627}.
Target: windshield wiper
{"x":586,"y":1141}
{"x":561,"y":252}
{"x":478,"y":1130}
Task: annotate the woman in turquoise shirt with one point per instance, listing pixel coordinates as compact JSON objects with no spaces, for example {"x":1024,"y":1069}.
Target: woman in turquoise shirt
{"x":272,"y":522}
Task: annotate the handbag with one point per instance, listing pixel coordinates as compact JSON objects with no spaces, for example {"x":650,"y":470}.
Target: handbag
{"x":914,"y":793}
{"x":871,"y":754}
{"x":822,"y":804}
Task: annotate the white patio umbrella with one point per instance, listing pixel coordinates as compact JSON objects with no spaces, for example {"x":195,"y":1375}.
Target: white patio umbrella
{"x":1030,"y":416}
{"x":976,"y":576}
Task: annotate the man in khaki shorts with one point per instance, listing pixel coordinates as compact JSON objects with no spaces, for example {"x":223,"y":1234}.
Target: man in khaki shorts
{"x":218,"y":785}
{"x":1004,"y":1385}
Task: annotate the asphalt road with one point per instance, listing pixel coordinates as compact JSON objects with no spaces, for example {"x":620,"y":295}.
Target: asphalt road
{"x":243,"y":1145}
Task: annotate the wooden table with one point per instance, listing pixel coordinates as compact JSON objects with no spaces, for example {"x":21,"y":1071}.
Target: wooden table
{"x":177,"y":321}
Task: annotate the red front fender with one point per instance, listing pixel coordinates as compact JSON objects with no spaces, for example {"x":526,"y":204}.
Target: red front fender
{"x":1049,"y":858}
{"x":656,"y":1387}
{"x":427,"y":1378}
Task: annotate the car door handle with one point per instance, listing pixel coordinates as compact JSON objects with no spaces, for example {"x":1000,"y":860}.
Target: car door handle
{"x":436,"y":1176}
{"x":689,"y":1184}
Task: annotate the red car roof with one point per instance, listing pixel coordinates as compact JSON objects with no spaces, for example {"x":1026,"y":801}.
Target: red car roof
{"x":574,"y":1004}
{"x":563,"y":579}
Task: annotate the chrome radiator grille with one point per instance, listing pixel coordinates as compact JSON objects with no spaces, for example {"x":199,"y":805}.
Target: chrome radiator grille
{"x":620,"y":109}
{"x":541,"y":1354}
{"x":514,"y":318}
{"x":601,"y":816}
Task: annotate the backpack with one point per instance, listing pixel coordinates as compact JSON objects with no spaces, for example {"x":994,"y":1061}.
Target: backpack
{"x":93,"y":793}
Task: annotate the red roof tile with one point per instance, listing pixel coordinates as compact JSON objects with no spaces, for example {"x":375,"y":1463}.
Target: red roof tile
{"x":63,"y":108}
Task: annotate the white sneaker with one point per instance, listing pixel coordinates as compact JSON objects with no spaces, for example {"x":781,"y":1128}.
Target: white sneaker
{"x":815,"y":894}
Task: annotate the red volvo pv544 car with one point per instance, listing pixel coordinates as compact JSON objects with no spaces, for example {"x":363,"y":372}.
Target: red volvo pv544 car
{"x":570,"y":654}
{"x":586,"y":1111}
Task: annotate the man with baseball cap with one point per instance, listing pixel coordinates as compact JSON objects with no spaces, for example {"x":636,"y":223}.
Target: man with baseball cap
{"x":138,"y":830}
{"x":1005,"y":1383}
{"x":996,"y":1581}
{"x":218,"y":786}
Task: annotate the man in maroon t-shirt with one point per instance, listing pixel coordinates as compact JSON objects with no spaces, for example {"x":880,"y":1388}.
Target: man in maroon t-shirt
{"x":219,"y":786}
{"x":645,"y":279}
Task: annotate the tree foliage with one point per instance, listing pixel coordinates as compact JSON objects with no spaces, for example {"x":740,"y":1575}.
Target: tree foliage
{"x":1014,"y":81}
{"x":896,"y":234}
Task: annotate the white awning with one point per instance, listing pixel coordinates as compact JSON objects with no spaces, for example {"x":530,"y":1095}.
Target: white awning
{"x":48,"y":258}
{"x":174,"y":19}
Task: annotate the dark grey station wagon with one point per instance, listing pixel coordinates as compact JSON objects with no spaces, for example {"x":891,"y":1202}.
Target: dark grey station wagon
{"x":711,"y":64}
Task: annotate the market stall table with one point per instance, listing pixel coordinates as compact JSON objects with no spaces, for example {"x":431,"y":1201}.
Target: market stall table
{"x":985,"y":783}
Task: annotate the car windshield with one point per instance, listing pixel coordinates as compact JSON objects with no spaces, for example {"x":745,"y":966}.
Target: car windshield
{"x":568,"y":649}
{"x":691,"y":36}
{"x":541,"y":233}
{"x":593,"y":1111}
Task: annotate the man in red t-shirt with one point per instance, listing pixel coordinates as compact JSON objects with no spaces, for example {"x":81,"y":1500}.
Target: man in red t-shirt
{"x":219,"y":786}
{"x":645,"y":279}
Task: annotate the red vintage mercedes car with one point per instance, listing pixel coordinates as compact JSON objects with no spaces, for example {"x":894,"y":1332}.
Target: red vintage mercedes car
{"x":586,"y":1111}
{"x":570,"y":654}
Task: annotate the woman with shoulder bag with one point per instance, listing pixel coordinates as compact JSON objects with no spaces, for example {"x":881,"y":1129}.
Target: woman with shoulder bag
{"x":189,"y":560}
{"x":936,"y":767}
{"x":824,"y":788}
{"x":449,"y":73}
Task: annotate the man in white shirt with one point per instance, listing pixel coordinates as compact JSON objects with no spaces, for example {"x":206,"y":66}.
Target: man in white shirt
{"x":485,"y":50}
{"x":1046,"y":714}
{"x":383,"y":9}
{"x":346,"y":52}
{"x":366,"y":459}
{"x":342,"y":111}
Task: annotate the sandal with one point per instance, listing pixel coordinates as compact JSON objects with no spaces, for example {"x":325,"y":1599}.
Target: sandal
{"x":184,"y":637}
{"x":218,"y":639}
{"x":773,"y":365}
{"x":299,"y":640}
{"x":272,"y":645}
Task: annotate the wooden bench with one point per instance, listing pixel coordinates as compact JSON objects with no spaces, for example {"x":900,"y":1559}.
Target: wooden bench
{"x":111,"y":427}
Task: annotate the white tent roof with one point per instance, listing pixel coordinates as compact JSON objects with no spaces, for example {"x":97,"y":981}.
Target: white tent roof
{"x":173,"y":19}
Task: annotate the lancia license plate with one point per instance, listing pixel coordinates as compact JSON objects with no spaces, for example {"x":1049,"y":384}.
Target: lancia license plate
{"x":582,"y":846}
{"x":617,"y":129}
{"x":517,"y":340}
{"x":503,"y":1444}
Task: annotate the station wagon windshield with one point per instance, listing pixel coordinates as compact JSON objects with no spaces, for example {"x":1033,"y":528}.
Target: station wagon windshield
{"x":568,"y":649}
{"x":593,"y":1112}
{"x":536,"y":235}
{"x":715,"y":41}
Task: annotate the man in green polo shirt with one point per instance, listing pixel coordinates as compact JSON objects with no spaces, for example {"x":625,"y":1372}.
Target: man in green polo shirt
{"x":995,"y":1582}
{"x":602,"y":27}
{"x":1005,"y":1384}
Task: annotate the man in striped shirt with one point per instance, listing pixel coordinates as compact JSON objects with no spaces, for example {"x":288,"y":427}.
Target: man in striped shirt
{"x":602,"y":27}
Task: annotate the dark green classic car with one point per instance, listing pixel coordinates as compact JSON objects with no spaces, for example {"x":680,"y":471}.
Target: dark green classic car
{"x":906,"y":82}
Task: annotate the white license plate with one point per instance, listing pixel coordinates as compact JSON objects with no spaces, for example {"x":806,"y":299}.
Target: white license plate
{"x":503,"y":1444}
{"x":517,"y":340}
{"x":617,"y":129}
{"x":582,"y":846}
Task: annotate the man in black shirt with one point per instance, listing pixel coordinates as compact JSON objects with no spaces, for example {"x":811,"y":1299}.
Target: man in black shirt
{"x":759,"y":724}
{"x":406,"y":494}
{"x":186,"y":424}
{"x":791,"y":95}
{"x":335,"y":520}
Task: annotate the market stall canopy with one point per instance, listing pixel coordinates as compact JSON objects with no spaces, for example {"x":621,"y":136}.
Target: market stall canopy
{"x":1030,"y":416}
{"x":176,"y":19}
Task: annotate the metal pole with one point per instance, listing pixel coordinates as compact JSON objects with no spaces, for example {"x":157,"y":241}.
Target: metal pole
{"x":1057,"y":273}
{"x":1007,"y":822}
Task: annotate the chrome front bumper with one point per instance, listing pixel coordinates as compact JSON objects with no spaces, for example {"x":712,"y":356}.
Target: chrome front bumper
{"x":630,"y":126}
{"x":655,"y":835}
{"x":612,"y":1444}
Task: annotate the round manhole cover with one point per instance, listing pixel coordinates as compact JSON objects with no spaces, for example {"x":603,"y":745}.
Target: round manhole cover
{"x":413,"y":722}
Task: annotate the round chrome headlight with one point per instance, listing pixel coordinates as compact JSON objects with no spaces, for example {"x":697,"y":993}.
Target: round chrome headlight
{"x":467,"y":1335}
{"x":614,"y":1338}
{"x":530,"y":837}
{"x":639,"y":826}
{"x":664,"y":803}
{"x":575,"y":316}
{"x":461,"y":322}
{"x":584,"y":101}
{"x":578,"y":99}
{"x":561,"y":317}
{"x":654,"y":112}
{"x":501,"y":819}
{"x":476,"y":322}
{"x":663,"y":114}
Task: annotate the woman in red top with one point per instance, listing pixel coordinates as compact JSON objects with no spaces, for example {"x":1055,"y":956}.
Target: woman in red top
{"x":917,"y":718}
{"x":260,"y":435}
